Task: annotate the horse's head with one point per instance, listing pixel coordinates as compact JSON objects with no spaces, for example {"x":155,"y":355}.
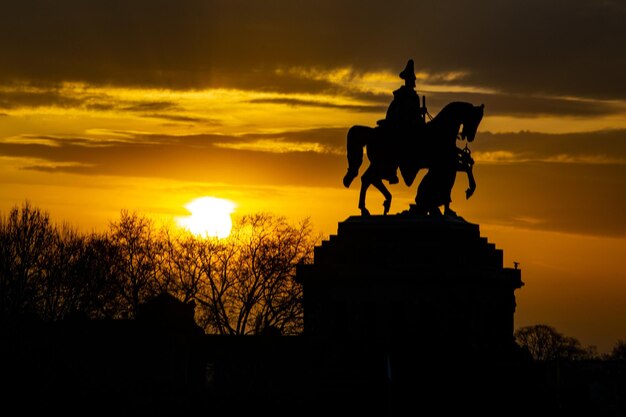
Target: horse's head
{"x":471,"y":122}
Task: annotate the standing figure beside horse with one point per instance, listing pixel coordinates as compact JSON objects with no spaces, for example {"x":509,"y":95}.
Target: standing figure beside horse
{"x":405,"y":140}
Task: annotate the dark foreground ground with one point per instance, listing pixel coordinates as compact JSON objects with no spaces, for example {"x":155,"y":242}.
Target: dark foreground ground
{"x":124,"y":368}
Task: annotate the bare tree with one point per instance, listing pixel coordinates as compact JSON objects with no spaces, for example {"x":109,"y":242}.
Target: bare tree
{"x":220,"y":265}
{"x":49,"y":272}
{"x":136,"y":260}
{"x":243,"y":284}
{"x":545,"y":343}
{"x":95,"y":273}
{"x":618,"y":353}
{"x":249,"y":285}
{"x":60,"y":283}
{"x":26,"y":237}
{"x":182,"y":269}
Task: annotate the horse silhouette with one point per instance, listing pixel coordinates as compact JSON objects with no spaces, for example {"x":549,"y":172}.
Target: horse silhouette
{"x":433,"y":147}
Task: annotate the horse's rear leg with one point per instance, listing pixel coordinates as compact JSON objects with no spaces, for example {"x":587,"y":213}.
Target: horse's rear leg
{"x":356,"y":141}
{"x":365,"y":183}
{"x":381,"y":187}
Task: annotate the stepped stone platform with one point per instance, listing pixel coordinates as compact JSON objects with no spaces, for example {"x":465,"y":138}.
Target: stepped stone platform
{"x":390,"y":279}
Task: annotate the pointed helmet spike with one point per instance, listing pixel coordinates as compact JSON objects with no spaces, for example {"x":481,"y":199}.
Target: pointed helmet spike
{"x":408,"y":73}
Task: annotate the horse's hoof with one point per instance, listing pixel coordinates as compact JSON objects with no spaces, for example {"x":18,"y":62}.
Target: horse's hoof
{"x":386,"y":206}
{"x":365,"y":212}
{"x":348,"y":178}
{"x":450,"y":213}
{"x":417,"y":210}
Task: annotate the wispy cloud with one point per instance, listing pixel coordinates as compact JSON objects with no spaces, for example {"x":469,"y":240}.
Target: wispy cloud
{"x":547,"y":191}
{"x":276,"y":146}
{"x":311,"y":103}
{"x":506,"y":157}
{"x":586,"y":159}
{"x":599,"y":147}
{"x":495,"y":157}
{"x":150,"y":106}
{"x":18,"y":98}
{"x":52,"y":167}
{"x":213,"y":158}
{"x":182,"y":118}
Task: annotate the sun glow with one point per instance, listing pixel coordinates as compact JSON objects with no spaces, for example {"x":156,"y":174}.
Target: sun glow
{"x":210,"y":217}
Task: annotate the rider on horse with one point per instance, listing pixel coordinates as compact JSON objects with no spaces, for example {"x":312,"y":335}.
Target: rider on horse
{"x":404,"y":120}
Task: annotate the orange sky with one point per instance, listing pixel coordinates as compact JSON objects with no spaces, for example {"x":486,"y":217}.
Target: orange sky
{"x":106,"y":105}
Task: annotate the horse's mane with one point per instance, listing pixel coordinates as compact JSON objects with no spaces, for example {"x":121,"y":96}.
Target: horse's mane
{"x":451,"y":108}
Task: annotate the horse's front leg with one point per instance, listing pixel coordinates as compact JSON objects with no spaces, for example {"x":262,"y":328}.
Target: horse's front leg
{"x":381,"y":187}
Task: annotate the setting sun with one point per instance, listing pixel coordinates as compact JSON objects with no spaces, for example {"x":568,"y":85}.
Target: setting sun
{"x":210,"y":217}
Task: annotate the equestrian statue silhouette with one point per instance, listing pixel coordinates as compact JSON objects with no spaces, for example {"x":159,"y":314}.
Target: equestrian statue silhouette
{"x":406,"y":141}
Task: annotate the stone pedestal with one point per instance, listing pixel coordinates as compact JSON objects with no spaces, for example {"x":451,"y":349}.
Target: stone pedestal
{"x":388,"y":280}
{"x":412,"y":313}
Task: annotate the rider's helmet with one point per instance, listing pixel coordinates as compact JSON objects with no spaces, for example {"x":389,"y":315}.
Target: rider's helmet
{"x":408,"y":73}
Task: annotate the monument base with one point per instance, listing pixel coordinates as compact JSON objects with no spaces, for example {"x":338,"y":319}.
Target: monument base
{"x":414,"y":303}
{"x":393,"y":278}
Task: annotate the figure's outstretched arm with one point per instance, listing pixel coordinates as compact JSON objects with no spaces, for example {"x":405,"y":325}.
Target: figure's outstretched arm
{"x":472,"y":183}
{"x":466,"y":164}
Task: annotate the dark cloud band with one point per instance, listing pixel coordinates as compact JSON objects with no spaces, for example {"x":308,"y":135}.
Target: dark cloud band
{"x":569,"y":49}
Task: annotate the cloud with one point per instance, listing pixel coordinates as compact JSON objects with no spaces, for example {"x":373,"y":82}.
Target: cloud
{"x":600,"y":147}
{"x":188,"y":158}
{"x":52,"y":167}
{"x":520,"y":46}
{"x":311,"y":103}
{"x":81,"y":97}
{"x":328,"y":138}
{"x":125,"y":153}
{"x":572,"y":198}
{"x":561,"y":182}
{"x":274,"y":146}
{"x":525,"y":105}
{"x":150,"y":106}
{"x":68,"y":95}
{"x":16,"y":99}
{"x":350,"y":98}
{"x":181,"y":118}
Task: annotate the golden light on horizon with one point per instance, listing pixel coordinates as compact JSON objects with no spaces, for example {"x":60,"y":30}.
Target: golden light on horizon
{"x":210,"y":217}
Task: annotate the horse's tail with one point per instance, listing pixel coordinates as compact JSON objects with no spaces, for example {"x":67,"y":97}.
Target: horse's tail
{"x":356,"y":141}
